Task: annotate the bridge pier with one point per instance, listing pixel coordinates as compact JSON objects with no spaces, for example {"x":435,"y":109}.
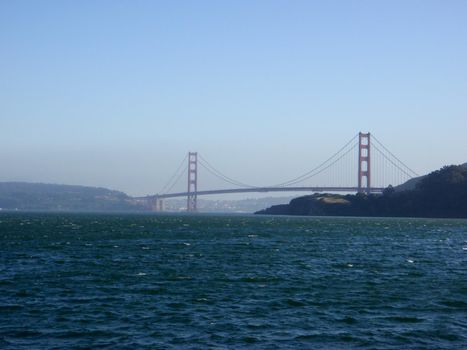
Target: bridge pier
{"x":157,"y":205}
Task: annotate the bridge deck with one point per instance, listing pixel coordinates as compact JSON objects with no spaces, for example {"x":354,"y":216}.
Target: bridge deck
{"x":261,"y":190}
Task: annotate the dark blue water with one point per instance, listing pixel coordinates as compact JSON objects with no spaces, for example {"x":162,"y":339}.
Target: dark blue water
{"x":197,"y":282}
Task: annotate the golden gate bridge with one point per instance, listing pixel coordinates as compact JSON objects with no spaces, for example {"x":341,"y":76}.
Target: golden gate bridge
{"x":362,"y":165}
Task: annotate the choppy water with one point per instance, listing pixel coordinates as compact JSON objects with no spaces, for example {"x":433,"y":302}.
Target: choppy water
{"x":197,"y":282}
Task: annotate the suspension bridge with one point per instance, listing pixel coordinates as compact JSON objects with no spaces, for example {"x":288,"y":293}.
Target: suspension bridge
{"x":362,"y":165}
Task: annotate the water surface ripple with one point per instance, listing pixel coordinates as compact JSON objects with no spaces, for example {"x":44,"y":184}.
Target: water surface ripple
{"x":196,"y":282}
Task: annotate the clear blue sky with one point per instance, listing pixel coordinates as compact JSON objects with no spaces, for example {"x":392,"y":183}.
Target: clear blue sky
{"x":114,"y":93}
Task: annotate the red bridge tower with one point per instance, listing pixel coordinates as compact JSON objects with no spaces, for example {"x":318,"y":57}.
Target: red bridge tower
{"x":192,"y":181}
{"x":364,"y":163}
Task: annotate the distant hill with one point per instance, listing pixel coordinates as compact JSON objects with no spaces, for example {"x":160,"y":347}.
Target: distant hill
{"x":440,"y":194}
{"x":50,"y":197}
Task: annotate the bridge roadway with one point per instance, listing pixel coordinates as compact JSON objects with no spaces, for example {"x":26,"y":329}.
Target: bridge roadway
{"x":261,"y":190}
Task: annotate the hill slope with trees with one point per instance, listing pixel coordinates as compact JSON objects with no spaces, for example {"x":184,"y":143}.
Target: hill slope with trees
{"x":440,"y":194}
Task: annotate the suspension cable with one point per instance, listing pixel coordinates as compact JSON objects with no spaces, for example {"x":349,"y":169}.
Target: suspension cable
{"x":329,"y":165}
{"x":221,"y":177}
{"x":176,"y":181}
{"x":302,"y":177}
{"x":165,"y":188}
{"x":401,"y":162}
{"x":342,"y":152}
{"x":205,"y":164}
{"x":392,"y":162}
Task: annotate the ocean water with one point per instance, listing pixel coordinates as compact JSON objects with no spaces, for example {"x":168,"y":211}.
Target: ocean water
{"x":225,"y":282}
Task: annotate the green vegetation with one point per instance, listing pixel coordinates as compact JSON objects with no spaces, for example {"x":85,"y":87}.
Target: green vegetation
{"x":440,"y":194}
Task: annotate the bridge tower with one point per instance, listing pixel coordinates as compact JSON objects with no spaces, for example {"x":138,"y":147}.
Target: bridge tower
{"x":364,"y":162}
{"x":192,"y":181}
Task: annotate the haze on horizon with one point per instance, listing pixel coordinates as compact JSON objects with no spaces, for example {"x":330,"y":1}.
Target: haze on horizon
{"x":115,"y":93}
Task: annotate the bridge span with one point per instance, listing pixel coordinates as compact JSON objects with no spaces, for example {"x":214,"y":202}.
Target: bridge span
{"x":157,"y":204}
{"x":259,"y":190}
{"x":359,"y":166}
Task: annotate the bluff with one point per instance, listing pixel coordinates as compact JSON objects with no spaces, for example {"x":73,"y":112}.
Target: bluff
{"x":440,"y":194}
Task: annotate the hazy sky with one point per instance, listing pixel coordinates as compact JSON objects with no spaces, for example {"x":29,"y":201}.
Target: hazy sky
{"x":114,"y":93}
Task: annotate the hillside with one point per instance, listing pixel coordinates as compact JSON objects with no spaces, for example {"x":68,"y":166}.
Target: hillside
{"x":412,"y":183}
{"x":442,"y":193}
{"x":49,"y":197}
